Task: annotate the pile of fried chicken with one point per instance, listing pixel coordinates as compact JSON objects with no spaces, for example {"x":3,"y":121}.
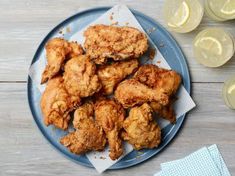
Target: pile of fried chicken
{"x":105,"y":92}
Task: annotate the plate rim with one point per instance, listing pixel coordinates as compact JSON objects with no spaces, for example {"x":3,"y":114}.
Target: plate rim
{"x":70,"y":18}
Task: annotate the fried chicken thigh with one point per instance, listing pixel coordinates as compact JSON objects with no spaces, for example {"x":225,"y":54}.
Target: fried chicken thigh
{"x":166,"y":80}
{"x":103,"y":42}
{"x":110,"y":115}
{"x":141,"y":131}
{"x":56,"y":104}
{"x":88,"y":135}
{"x":80,"y":77}
{"x":57,"y":51}
{"x":111,"y":75}
{"x":131,"y":92}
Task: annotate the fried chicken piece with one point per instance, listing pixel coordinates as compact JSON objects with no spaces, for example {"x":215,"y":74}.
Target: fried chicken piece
{"x":110,"y":115}
{"x":57,"y":51}
{"x":111,"y":75}
{"x":103,"y":42}
{"x":131,"y":92}
{"x":165,"y":112}
{"x":159,"y":78}
{"x":80,"y":77}
{"x":166,"y":80}
{"x":88,"y":134}
{"x":56,"y":104}
{"x":141,"y":131}
{"x":76,"y":50}
{"x":86,"y":111}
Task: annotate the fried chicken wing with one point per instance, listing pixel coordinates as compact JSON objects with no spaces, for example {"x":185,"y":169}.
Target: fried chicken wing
{"x":88,"y":134}
{"x":56,"y":104}
{"x":166,"y":80}
{"x":103,"y":42}
{"x":57,"y":51}
{"x":80,"y":77}
{"x":111,"y":75}
{"x":141,"y":131}
{"x":131,"y":92}
{"x":110,"y":115}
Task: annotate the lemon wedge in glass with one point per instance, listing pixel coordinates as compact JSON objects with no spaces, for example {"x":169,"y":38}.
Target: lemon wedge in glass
{"x":210,"y":43}
{"x":213,"y":47}
{"x":181,"y":16}
{"x":229,"y":7}
{"x":220,"y":10}
{"x":231,"y":89}
{"x":229,"y":92}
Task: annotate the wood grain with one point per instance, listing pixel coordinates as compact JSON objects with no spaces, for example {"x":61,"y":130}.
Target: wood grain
{"x":24,"y":152}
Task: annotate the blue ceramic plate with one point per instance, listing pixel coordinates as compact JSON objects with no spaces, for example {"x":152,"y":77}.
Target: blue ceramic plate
{"x":171,"y":52}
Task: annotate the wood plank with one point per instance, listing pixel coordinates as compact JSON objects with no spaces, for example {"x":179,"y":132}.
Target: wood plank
{"x":23,"y":25}
{"x":26,"y":153}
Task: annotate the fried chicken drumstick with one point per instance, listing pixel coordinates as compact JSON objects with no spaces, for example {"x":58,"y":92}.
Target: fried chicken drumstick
{"x":131,"y":92}
{"x":110,"y":115}
{"x":159,"y":78}
{"x":166,"y":80}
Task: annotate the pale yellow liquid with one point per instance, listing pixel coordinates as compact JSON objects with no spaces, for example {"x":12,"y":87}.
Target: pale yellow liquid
{"x":208,"y":55}
{"x":214,"y":7}
{"x":210,"y":13}
{"x":195,"y":14}
{"x":229,"y":93}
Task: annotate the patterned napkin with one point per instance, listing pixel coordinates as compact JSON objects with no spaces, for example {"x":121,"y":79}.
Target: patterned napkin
{"x":204,"y":162}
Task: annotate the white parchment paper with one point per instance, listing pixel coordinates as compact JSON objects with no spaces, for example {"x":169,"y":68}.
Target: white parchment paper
{"x":122,"y":16}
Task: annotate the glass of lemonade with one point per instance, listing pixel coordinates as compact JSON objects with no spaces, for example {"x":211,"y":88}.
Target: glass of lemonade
{"x":213,"y":47}
{"x":229,"y":92}
{"x":220,"y":10}
{"x":183,"y":16}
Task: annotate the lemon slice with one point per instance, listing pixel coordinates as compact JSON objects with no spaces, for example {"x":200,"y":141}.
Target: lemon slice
{"x":181,"y":16}
{"x":210,"y":44}
{"x":229,"y":7}
{"x":231,"y":88}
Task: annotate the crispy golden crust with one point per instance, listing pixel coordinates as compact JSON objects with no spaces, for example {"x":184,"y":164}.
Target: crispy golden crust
{"x":57,"y":51}
{"x":110,"y":115}
{"x":56,"y":104}
{"x":80,"y":77}
{"x":111,"y":75}
{"x":159,"y":78}
{"x":88,"y":135}
{"x":165,"y":112}
{"x":85,"y":111}
{"x":141,"y":131}
{"x":114,"y":42}
{"x":131,"y":92}
{"x":76,"y":50}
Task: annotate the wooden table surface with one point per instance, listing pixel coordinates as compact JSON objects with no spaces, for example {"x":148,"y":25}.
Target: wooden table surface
{"x":24,"y":152}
